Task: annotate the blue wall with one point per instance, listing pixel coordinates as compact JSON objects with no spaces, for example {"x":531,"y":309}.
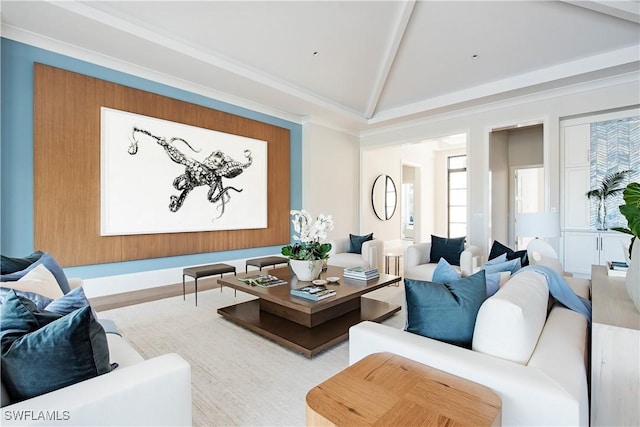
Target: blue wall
{"x":16,"y":155}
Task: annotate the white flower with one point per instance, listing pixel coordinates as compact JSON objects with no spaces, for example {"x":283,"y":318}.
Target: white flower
{"x":307,"y":229}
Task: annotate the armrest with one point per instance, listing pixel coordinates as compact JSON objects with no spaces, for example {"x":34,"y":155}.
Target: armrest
{"x":528,"y":396}
{"x":372,"y":252}
{"x":338,"y":246}
{"x":154,"y":392}
{"x":469,"y":260}
{"x":417,"y":254}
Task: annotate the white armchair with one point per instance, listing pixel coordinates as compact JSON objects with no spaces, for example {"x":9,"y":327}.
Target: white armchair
{"x":372,"y":254}
{"x":417,"y":265}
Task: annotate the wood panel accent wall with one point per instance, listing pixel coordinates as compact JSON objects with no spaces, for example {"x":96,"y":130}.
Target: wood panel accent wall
{"x":67,"y":171}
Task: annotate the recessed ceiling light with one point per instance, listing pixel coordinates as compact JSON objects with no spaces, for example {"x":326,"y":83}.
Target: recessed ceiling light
{"x":316,"y":53}
{"x":475,"y":56}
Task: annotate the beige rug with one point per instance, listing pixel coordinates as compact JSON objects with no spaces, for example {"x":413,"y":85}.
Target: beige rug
{"x":238,"y":377}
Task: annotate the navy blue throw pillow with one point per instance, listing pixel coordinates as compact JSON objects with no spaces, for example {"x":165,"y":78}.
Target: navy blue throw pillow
{"x":445,"y":312}
{"x":52,"y":265}
{"x":498,"y":249}
{"x":11,"y":265}
{"x":355,"y":242}
{"x":40,"y":355}
{"x":449,"y":249}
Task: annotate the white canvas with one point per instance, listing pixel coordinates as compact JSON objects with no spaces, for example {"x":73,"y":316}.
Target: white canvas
{"x":138,"y":173}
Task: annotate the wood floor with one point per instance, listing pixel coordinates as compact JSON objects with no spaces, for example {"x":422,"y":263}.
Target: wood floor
{"x":145,"y":295}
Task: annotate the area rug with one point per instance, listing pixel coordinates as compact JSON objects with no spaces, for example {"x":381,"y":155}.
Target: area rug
{"x":238,"y":378}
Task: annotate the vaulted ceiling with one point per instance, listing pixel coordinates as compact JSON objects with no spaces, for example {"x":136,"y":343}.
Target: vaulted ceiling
{"x":355,"y":64}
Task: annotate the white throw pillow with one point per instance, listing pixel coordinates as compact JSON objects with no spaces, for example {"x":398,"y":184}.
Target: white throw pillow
{"x":40,"y":281}
{"x":510,"y":322}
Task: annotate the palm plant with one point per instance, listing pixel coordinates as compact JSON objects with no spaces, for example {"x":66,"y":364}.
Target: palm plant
{"x":610,"y":186}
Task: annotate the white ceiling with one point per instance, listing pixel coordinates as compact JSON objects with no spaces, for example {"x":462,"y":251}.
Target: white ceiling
{"x":378,"y":62}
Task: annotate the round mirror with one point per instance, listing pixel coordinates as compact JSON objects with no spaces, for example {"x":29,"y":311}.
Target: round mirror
{"x":384,"y":197}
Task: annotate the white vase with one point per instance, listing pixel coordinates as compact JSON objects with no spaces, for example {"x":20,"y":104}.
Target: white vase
{"x":306,"y":271}
{"x":633,"y":275}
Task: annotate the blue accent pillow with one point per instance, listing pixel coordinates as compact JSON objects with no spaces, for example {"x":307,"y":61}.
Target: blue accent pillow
{"x":445,"y":312}
{"x":449,"y":249}
{"x":444,"y":272}
{"x":48,"y":261}
{"x":497,"y":260}
{"x":40,"y":301}
{"x":38,"y":358}
{"x":510,"y":266}
{"x":498,"y":248}
{"x":70,"y":302}
{"x":355,"y":242}
{"x":493,"y":283}
{"x":11,"y":265}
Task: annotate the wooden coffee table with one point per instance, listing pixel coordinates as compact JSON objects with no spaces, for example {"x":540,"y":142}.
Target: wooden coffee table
{"x":307,"y":326}
{"x":385,"y":389}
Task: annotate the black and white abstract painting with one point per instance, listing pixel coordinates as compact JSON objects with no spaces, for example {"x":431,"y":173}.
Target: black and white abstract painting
{"x":159,"y":176}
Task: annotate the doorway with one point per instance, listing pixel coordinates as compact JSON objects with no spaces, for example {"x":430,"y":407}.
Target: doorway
{"x":527,"y":196}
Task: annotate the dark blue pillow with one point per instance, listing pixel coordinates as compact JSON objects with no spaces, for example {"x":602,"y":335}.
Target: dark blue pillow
{"x":445,"y":312}
{"x":37,"y":359}
{"x":355,"y":242}
{"x":449,"y":249}
{"x":40,"y":301}
{"x":498,"y":249}
{"x":48,"y":261}
{"x":11,"y":265}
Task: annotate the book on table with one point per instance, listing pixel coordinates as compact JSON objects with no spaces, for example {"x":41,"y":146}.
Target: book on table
{"x":361,"y":273}
{"x":617,"y":268}
{"x":263,"y":280}
{"x":313,"y":292}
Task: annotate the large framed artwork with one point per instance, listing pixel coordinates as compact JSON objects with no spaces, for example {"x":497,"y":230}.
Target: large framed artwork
{"x":159,"y":176}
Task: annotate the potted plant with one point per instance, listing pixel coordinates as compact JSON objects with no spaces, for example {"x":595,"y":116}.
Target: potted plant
{"x":306,"y":257}
{"x":610,"y":186}
{"x":631,"y":211}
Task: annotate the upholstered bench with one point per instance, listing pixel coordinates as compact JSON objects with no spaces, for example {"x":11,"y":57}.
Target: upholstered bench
{"x":265,"y":261}
{"x":205,"y":271}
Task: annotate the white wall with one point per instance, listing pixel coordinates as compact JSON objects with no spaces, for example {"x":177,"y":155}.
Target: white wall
{"x":331,"y":173}
{"x":547,"y":107}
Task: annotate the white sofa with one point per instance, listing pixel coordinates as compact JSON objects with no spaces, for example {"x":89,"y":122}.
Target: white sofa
{"x":138,"y":392}
{"x":549,"y":389}
{"x":372,"y":254}
{"x":417,"y":265}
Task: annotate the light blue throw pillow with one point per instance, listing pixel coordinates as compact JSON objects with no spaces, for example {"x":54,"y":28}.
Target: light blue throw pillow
{"x":444,"y":272}
{"x":493,"y":283}
{"x":511,"y":266}
{"x":445,"y":312}
{"x":69,"y":302}
{"x":497,"y":260}
{"x":39,"y":300}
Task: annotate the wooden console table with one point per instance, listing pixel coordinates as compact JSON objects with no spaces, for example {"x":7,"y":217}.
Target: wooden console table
{"x":615,"y":352}
{"x":385,"y":389}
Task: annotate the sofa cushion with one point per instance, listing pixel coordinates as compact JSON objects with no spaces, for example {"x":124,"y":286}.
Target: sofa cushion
{"x":355,"y":242}
{"x":11,"y":265}
{"x":449,"y":249}
{"x":38,"y":280}
{"x":498,"y":249}
{"x":445,"y":311}
{"x":446,"y":273}
{"x":52,"y":265}
{"x":39,"y":356}
{"x":509,"y":323}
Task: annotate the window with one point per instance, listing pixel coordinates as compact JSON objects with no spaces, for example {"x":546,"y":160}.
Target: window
{"x":457,"y":195}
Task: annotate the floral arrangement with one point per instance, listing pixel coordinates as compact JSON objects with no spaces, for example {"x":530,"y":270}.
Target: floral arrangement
{"x":309,"y":233}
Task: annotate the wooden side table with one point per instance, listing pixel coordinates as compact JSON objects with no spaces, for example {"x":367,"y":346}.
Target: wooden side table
{"x":387,"y":389}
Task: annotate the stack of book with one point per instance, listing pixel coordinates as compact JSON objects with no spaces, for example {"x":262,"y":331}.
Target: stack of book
{"x":361,"y":273}
{"x":313,"y":292}
{"x":617,"y":268}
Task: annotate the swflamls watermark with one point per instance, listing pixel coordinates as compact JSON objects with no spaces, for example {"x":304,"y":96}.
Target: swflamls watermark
{"x":30,"y":415}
